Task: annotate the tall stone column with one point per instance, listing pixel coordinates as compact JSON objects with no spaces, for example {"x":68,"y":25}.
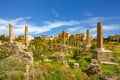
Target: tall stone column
{"x":87,"y":37}
{"x":10,"y":33}
{"x":26,"y":36}
{"x":99,"y":37}
{"x":100,"y":53}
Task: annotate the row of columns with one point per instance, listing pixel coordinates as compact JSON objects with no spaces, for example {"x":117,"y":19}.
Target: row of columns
{"x":99,"y":36}
{"x":11,"y":34}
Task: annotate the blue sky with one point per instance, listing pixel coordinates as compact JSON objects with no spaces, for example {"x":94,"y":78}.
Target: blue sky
{"x":50,"y":17}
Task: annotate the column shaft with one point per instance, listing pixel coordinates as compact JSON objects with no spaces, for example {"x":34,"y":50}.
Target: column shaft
{"x":10,"y":33}
{"x":26,"y":36}
{"x":99,"y":35}
{"x":87,"y":37}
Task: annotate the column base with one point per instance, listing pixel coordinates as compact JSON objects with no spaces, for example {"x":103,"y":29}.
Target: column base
{"x":99,"y":49}
{"x":102,"y":54}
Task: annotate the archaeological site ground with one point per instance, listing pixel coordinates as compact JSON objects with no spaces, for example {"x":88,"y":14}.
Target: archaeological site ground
{"x":63,"y":57}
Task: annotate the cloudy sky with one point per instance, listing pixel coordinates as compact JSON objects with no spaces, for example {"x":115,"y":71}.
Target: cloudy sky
{"x":50,"y":17}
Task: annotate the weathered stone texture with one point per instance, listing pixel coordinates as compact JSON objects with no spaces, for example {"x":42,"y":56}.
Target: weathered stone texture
{"x":26,"y":36}
{"x":100,"y":53}
{"x":88,"y":37}
{"x":88,"y":45}
{"x":10,"y":33}
{"x":15,"y":49}
{"x":99,"y":37}
{"x":103,"y":55}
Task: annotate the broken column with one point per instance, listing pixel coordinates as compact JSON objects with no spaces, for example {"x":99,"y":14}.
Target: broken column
{"x":100,"y":53}
{"x":88,"y":45}
{"x":26,"y":36}
{"x":10,"y":33}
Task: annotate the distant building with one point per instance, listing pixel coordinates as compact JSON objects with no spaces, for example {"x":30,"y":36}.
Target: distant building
{"x":72,"y":37}
{"x":114,"y":38}
{"x":55,"y":39}
{"x":79,"y":37}
{"x":76,"y":38}
{"x":19,"y":38}
{"x":63,"y":37}
{"x":44,"y":37}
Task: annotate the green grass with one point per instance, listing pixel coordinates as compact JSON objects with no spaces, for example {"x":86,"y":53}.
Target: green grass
{"x":11,"y":68}
{"x":56,"y":71}
{"x":110,"y":70}
{"x":4,"y":54}
{"x":115,"y":48}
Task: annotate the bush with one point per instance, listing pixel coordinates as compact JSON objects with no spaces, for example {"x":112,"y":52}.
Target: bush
{"x":83,"y":64}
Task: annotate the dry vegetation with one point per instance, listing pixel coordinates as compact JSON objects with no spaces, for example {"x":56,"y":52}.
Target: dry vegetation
{"x":13,"y":68}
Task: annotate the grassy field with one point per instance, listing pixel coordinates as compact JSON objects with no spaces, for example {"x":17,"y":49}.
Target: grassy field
{"x":11,"y":68}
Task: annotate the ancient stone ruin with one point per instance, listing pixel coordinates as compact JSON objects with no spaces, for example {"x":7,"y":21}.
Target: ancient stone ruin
{"x":63,"y":36}
{"x":88,"y":45}
{"x":10,"y":33}
{"x":99,"y":37}
{"x":26,"y":36}
{"x":100,"y":53}
{"x":16,"y":49}
{"x":94,"y":67}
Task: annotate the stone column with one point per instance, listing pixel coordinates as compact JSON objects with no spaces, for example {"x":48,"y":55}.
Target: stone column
{"x":10,"y":33}
{"x":99,"y":37}
{"x":26,"y":36}
{"x":63,"y":37}
{"x":88,"y":45}
{"x":100,"y":53}
{"x":87,"y":37}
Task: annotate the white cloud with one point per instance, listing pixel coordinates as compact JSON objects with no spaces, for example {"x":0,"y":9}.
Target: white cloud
{"x":107,"y":27}
{"x":48,"y":26}
{"x":91,"y":24}
{"x":112,"y":27}
{"x":73,"y":29}
{"x":19,"y":24}
{"x":79,"y":26}
{"x":76,"y":29}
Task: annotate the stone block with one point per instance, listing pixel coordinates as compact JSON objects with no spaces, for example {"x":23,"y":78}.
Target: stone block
{"x":103,"y":55}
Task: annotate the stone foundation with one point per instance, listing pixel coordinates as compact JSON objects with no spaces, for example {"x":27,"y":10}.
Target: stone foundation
{"x":103,"y":55}
{"x":100,"y":53}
